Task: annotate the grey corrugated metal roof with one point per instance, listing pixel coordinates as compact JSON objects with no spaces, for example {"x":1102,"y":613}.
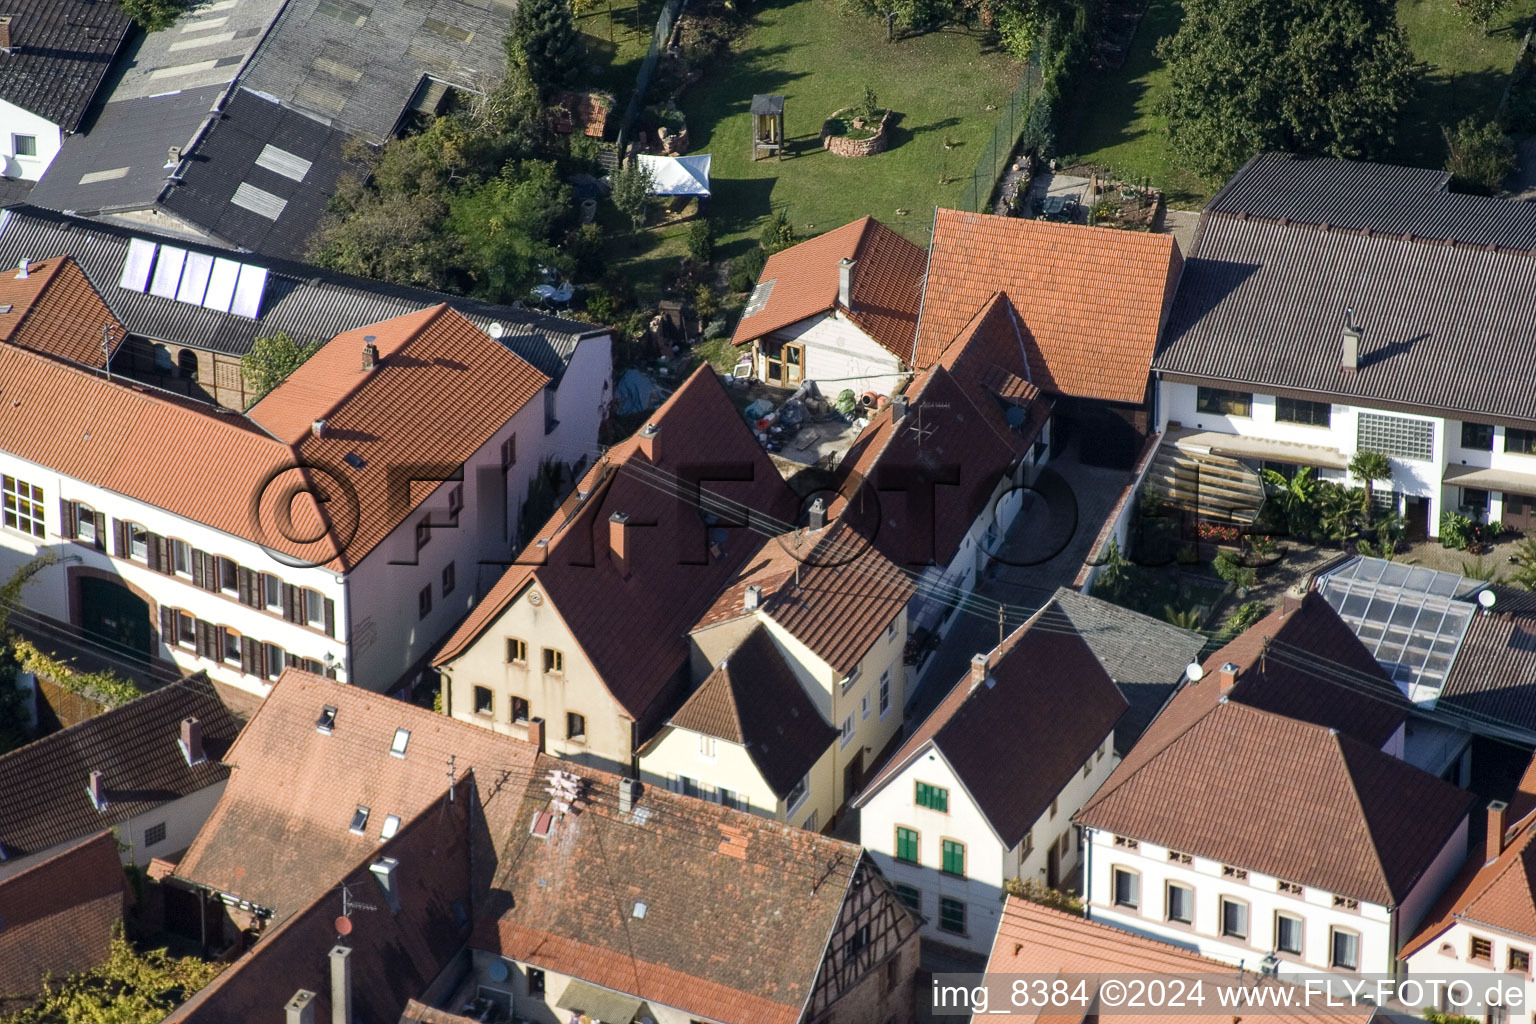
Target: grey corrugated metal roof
{"x":307,"y":302}
{"x":1494,"y":674}
{"x":1380,"y":198}
{"x":1445,"y":327}
{"x":364,"y":76}
{"x":60,"y":52}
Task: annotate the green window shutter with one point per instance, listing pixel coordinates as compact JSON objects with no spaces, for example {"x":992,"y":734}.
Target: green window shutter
{"x":954,"y":858}
{"x":906,"y":844}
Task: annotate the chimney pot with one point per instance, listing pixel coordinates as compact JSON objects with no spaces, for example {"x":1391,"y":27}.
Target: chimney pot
{"x":1293,"y":599}
{"x":978,"y":668}
{"x":648,"y":438}
{"x":318,"y":428}
{"x":386,"y":871}
{"x":898,"y":408}
{"x":845,"y":283}
{"x":1497,"y":812}
{"x":341,"y":985}
{"x":21,"y":269}
{"x":370,"y":353}
{"x":301,"y":1008}
{"x":1227,"y":676}
{"x":96,"y":789}
{"x":536,"y":733}
{"x":618,"y":541}
{"x":172,"y":157}
{"x":818,"y":514}
{"x":1349,"y":357}
{"x":754,"y":596}
{"x":629,"y":790}
{"x":192,"y":741}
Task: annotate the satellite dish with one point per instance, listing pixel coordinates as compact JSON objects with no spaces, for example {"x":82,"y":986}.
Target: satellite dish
{"x":496,"y":331}
{"x":343,"y":925}
{"x":1194,"y":672}
{"x":498,"y":970}
{"x":1486,"y":598}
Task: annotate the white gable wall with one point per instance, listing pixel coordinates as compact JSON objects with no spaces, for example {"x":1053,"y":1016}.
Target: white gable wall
{"x":838,"y":355}
{"x":16,"y":121}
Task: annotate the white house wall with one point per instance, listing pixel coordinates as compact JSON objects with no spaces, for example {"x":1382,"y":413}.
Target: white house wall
{"x":1449,"y":954}
{"x":16,"y":121}
{"x":581,"y":401}
{"x":839,"y":356}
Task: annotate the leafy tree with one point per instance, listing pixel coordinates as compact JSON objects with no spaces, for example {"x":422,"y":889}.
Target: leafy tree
{"x":778,"y":234}
{"x":1231,"y":568}
{"x":1340,"y":512}
{"x":1480,"y":156}
{"x":631,"y":189}
{"x":129,"y":988}
{"x":154,"y":15}
{"x":906,"y":14}
{"x":1481,"y":11}
{"x":869,"y":107}
{"x":1296,"y":498}
{"x":1368,"y":467}
{"x":544,"y":40}
{"x":700,"y":240}
{"x":1184,"y":618}
{"x":503,"y":228}
{"x":271,"y":360}
{"x":1524,"y":573}
{"x":1316,"y":77}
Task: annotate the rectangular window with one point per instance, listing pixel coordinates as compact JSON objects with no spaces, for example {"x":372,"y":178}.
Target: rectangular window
{"x":952,"y":915}
{"x":1482,"y":949}
{"x":231,"y":646}
{"x":85,"y":524}
{"x":517,"y":651}
{"x":1346,"y":950}
{"x":509,"y":452}
{"x":906,"y":844}
{"x":229,"y":576}
{"x":1087,"y":767}
{"x":181,"y":558}
{"x":1396,"y":436}
{"x":935,"y":798}
{"x":910,"y":895}
{"x":864,"y":707}
{"x":1127,"y":886}
{"x":1310,"y":414}
{"x":1234,"y":919}
{"x":1219,"y":402}
{"x":796,"y":796}
{"x":853,"y":677}
{"x":885,"y":694}
{"x":400,"y":742}
{"x":391,"y":826}
{"x":1520,"y":442}
{"x":314,"y":608}
{"x":535,"y":982}
{"x":23,"y":506}
{"x":423,"y":533}
{"x":846,"y":733}
{"x":276,"y":658}
{"x":727,"y":798}
{"x":24,"y":145}
{"x":359,"y":820}
{"x":1055,"y":806}
{"x":953,"y":859}
{"x":519,"y":709}
{"x":1181,"y":903}
{"x":271,"y":592}
{"x":708,"y":748}
{"x":1477,"y":437}
{"x":1288,"y":934}
{"x":1519,"y":960}
{"x":456,"y":500}
{"x":484,"y":702}
{"x":424,"y":602}
{"x":154,"y":835}
{"x":890,"y":630}
{"x":575,"y":726}
{"x":138,"y":543}
{"x":449,"y":580}
{"x":554,"y":661}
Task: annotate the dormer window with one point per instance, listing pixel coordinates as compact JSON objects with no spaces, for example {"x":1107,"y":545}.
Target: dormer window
{"x":360,"y":820}
{"x":326,"y":723}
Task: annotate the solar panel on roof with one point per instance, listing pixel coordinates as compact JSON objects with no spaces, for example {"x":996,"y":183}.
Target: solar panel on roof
{"x":221,"y":285}
{"x":136,"y":267}
{"x":194,"y":278}
{"x":168,"y":272}
{"x":253,"y":281}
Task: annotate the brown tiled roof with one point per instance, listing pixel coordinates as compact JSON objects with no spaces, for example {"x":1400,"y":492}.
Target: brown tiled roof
{"x":1280,"y":659}
{"x":134,"y":747}
{"x":280,"y":834}
{"x":54,"y":310}
{"x":395,"y":956}
{"x":57,"y":916}
{"x":1284,"y":797}
{"x":1016,"y":743}
{"x":633,"y":627}
{"x":420,"y":1013}
{"x":1494,"y":674}
{"x":755,"y":699}
{"x":1089,"y":300}
{"x":887,"y":284}
{"x":738,"y":912}
{"x":831,"y":589}
{"x":1036,"y":940}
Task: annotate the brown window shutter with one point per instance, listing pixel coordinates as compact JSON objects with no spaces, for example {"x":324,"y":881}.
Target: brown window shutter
{"x":210,"y":572}
{"x":250,"y":586}
{"x":168,"y":626}
{"x":250,"y":656}
{"x":199,"y":570}
{"x":205,"y":639}
{"x":159,"y":553}
{"x":292,"y":603}
{"x":66,"y":519}
{"x":119,"y":538}
{"x":101,"y":531}
{"x":330,"y":617}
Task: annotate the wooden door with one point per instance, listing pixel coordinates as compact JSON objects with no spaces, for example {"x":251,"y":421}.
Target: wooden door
{"x":794,"y":365}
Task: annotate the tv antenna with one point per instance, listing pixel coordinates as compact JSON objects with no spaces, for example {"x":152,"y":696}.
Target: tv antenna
{"x":917,"y":429}
{"x":349,"y":904}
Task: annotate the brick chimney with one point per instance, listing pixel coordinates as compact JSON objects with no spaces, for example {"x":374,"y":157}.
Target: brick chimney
{"x":1227,"y":676}
{"x":978,"y":668}
{"x":536,"y":733}
{"x":370,"y":352}
{"x":649,"y":435}
{"x":753,"y":598}
{"x":191,"y":741}
{"x":845,"y":283}
{"x":96,"y":789}
{"x":618,"y":542}
{"x":1291,"y":602}
{"x":629,"y":789}
{"x":898,"y":408}
{"x":318,"y":428}
{"x":341,"y":985}
{"x":1498,"y":811}
{"x":301,"y":1008}
{"x":5,"y":32}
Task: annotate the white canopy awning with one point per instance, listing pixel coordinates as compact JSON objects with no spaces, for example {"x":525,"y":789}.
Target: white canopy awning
{"x":678,"y":175}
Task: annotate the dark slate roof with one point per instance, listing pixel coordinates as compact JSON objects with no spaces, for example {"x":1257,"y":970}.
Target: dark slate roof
{"x":1263,"y":298}
{"x":1146,"y":657}
{"x":755,"y":699}
{"x":251,"y":145}
{"x":363,"y":77}
{"x":134,"y":747}
{"x":130,"y":137}
{"x":307,"y":302}
{"x":1494,"y":674}
{"x":60,"y":52}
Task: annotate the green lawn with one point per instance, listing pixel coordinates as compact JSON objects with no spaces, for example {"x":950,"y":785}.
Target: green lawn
{"x":1119,"y":127}
{"x":940,"y":85}
{"x":617,"y":33}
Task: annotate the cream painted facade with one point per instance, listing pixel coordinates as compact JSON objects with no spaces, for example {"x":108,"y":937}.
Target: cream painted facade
{"x":836,"y":354}
{"x":1048,"y":853}
{"x":1378,"y":930}
{"x":540,"y":1007}
{"x":1453,"y":953}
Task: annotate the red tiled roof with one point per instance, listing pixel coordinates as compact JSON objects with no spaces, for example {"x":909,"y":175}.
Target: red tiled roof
{"x":1290,"y":799}
{"x":1015,"y":743}
{"x":55,"y":311}
{"x":56,"y":917}
{"x":672,"y":575}
{"x":1036,"y":940}
{"x":280,"y":834}
{"x":739,"y":909}
{"x":1089,"y":300}
{"x":832,"y":590}
{"x":887,"y":284}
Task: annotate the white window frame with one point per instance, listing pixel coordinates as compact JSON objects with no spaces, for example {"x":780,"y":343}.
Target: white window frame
{"x":1115,"y":873}
{"x":1333,"y":959}
{"x":272,"y":594}
{"x":863,"y":707}
{"x":16,"y":138}
{"x":1221,"y":918}
{"x":852,"y":678}
{"x":1301,"y":933}
{"x":181,"y":557}
{"x":85,"y":523}
{"x":797,"y":796}
{"x":846,"y":733}
{"x":1169,"y":887}
{"x":709,"y":749}
{"x":314,"y":608}
{"x":230,"y":635}
{"x":138,"y":543}
{"x":885,"y":694}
